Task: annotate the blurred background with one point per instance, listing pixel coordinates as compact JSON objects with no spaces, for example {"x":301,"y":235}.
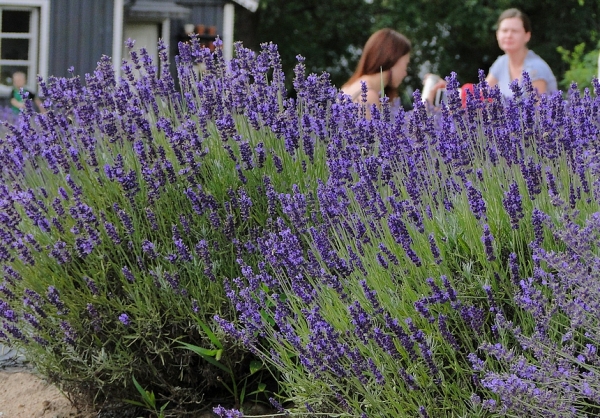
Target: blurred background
{"x":447,"y":35}
{"x":47,"y":37}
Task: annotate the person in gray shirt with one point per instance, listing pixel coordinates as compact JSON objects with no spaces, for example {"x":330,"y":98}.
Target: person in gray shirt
{"x":513,"y":34}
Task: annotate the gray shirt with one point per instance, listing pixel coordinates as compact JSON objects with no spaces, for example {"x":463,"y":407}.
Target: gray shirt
{"x":535,"y":66}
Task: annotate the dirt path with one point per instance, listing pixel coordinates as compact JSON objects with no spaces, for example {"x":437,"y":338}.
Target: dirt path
{"x":25,"y":395}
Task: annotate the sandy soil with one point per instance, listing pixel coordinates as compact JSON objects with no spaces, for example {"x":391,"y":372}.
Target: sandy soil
{"x":25,"y":395}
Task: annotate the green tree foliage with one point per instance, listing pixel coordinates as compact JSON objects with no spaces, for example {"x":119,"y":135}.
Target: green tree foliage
{"x":459,"y":35}
{"x":327,"y":33}
{"x":447,"y":35}
{"x":582,"y":66}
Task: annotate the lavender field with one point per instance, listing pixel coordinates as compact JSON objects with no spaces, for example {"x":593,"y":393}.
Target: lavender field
{"x":224,"y":242}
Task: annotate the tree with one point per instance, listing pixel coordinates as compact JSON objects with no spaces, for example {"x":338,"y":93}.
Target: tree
{"x":328,"y":34}
{"x":459,"y":35}
{"x":447,"y":35}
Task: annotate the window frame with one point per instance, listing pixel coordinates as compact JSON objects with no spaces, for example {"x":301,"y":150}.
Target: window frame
{"x":39,"y":35}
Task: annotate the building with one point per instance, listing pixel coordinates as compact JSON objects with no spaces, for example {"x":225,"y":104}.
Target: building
{"x":46,"y":37}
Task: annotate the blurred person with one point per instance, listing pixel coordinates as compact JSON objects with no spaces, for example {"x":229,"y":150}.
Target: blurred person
{"x":513,"y":34}
{"x":17,"y":104}
{"x":383,"y":64}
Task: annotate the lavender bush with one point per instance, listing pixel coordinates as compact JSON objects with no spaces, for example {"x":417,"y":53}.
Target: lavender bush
{"x":432,"y":263}
{"x":437,"y":243}
{"x":119,"y":212}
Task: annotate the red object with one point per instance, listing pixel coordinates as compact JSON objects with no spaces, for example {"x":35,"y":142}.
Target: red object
{"x":469,"y":87}
{"x":463,"y":93}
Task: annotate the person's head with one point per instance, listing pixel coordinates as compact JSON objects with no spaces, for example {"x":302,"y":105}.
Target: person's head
{"x":513,"y":30}
{"x":385,"y":50}
{"x":19,"y":79}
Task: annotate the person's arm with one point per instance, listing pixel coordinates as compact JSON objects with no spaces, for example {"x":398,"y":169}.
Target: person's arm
{"x":441,"y":84}
{"x":540,"y":85}
{"x":491,"y":80}
{"x":495,"y":72}
{"x":542,"y":78}
{"x":17,"y":104}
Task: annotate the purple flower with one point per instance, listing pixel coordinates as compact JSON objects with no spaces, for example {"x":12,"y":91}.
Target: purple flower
{"x":151,"y":219}
{"x":95,"y":317}
{"x":538,"y":218}
{"x":149,"y":249}
{"x":408,"y":379}
{"x":111,"y":231}
{"x":435,"y":251}
{"x":371,"y":296}
{"x":125,"y":219}
{"x":532,"y":173}
{"x":393,"y":325}
{"x":70,"y":336}
{"x":488,"y":239}
{"x":124,"y":319}
{"x":512,"y":204}
{"x":227,"y":413}
{"x":401,"y":236}
{"x":91,"y":285}
{"x":361,"y":321}
{"x":476,"y":202}
{"x":54,"y":298}
{"x":448,"y":336}
{"x":204,"y":254}
{"x":278,"y":406}
{"x":14,"y":330}
{"x":128,"y":274}
{"x":422,"y":309}
{"x":183,"y":250}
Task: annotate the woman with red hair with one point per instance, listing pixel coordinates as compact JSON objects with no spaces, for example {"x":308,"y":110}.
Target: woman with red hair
{"x":382,"y":65}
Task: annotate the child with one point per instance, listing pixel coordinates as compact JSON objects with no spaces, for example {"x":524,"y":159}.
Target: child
{"x":17,"y":104}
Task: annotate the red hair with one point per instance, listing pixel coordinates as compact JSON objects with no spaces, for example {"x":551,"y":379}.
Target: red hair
{"x":381,"y":52}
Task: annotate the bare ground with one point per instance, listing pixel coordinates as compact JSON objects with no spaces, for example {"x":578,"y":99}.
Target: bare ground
{"x":25,"y":395}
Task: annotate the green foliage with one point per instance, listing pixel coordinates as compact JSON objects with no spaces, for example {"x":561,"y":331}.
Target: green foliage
{"x":330,"y":358}
{"x":326,"y":33}
{"x":583,"y":66}
{"x":452,"y":35}
{"x":459,"y":36}
{"x":148,"y":401}
{"x":92,"y":317}
{"x":238,"y":388}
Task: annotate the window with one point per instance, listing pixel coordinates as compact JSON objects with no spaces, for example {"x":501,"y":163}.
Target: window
{"x":19,"y":42}
{"x":24,"y":42}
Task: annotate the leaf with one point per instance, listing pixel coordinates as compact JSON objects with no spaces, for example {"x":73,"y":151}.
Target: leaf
{"x":260,"y":389}
{"x":211,"y":335}
{"x":136,"y":403}
{"x":208,"y":355}
{"x":267,"y":317}
{"x":255,"y":366}
{"x":200,"y":350}
{"x":148,"y":397}
{"x":243,"y":394}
